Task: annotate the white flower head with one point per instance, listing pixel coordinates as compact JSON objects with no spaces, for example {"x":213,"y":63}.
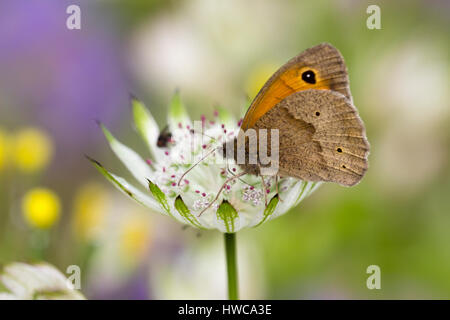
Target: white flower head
{"x":240,"y":204}
{"x":36,"y":282}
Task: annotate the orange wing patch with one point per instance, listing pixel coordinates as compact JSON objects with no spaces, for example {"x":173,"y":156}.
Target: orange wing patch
{"x":286,"y":84}
{"x":320,"y":67}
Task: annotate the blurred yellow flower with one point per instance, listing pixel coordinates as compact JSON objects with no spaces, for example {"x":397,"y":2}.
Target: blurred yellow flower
{"x":135,"y":238}
{"x":33,"y":150}
{"x":258,"y":77}
{"x":41,"y":208}
{"x":89,"y":210}
{"x":4,"y":150}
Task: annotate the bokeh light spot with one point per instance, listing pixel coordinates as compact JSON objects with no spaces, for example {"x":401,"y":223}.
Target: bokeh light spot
{"x":41,"y":208}
{"x":33,"y":150}
{"x":4,"y":147}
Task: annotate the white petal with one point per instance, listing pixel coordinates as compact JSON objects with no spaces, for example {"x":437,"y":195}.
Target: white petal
{"x":312,"y":186}
{"x":177,"y":116}
{"x":7,"y":296}
{"x":126,"y":188}
{"x":132,"y":161}
{"x":293,"y":196}
{"x":139,"y":196}
{"x":147,"y":128}
{"x":226,"y":118}
{"x":41,"y":281}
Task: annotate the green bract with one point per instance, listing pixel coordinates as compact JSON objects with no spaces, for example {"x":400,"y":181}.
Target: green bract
{"x":240,"y":205}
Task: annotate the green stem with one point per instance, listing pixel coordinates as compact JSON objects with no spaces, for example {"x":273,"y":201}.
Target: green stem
{"x":230,"y":251}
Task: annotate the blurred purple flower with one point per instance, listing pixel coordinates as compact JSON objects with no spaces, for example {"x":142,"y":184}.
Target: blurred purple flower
{"x":58,"y":78}
{"x":136,"y":287}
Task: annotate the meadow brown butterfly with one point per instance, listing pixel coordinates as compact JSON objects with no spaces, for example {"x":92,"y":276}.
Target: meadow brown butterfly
{"x":321,"y":136}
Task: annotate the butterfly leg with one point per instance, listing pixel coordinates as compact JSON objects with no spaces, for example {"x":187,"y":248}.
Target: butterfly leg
{"x":234,"y":174}
{"x":188,"y":170}
{"x":264,"y":189}
{"x":220,"y":190}
{"x":276,"y":185}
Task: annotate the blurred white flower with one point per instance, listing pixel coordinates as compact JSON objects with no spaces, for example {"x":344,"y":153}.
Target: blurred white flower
{"x":241,"y":203}
{"x":121,"y":250}
{"x":413,"y":106}
{"x":169,"y":53}
{"x":412,"y":84}
{"x":204,"y":44}
{"x":36,"y":282}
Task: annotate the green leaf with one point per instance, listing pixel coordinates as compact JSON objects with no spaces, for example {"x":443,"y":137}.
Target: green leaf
{"x":132,"y":161}
{"x":159,"y":196}
{"x":269,"y":209}
{"x":186,"y":213}
{"x":228,"y":214}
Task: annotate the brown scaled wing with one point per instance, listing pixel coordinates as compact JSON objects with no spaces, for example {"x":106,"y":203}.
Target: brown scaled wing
{"x":322,"y":137}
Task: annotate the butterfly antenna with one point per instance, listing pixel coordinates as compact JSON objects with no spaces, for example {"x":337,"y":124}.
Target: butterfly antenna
{"x":203,"y":134}
{"x":232,"y":173}
{"x":278,"y":191}
{"x":195,"y":164}
{"x":220,"y":190}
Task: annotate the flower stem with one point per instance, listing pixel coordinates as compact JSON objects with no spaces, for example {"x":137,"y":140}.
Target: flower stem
{"x":230,"y":251}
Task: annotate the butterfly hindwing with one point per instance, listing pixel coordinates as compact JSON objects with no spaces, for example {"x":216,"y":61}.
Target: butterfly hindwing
{"x":321,"y":137}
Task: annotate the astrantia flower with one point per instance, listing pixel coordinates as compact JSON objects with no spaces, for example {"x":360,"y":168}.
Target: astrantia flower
{"x":36,"y":282}
{"x":241,"y":204}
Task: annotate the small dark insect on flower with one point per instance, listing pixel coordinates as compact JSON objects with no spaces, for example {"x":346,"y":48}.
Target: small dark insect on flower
{"x":164,"y":138}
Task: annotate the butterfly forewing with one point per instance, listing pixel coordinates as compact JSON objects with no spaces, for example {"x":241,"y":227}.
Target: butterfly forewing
{"x":320,"y":67}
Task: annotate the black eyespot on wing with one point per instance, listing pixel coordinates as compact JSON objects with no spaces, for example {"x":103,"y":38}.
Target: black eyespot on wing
{"x":317,"y":113}
{"x":309,"y":77}
{"x":339,"y":150}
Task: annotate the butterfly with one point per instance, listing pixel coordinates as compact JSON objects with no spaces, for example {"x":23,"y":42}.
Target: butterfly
{"x":321,"y":136}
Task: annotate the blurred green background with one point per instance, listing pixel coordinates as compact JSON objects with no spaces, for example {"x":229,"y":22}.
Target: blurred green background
{"x":55,"y":82}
